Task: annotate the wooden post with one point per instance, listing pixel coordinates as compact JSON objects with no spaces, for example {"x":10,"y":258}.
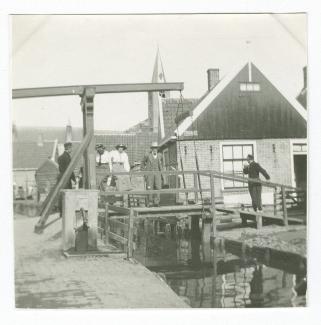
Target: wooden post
{"x":214,"y":276}
{"x":285,"y":211}
{"x":87,"y":104}
{"x":130,"y":234}
{"x":106,"y":224}
{"x":275,"y":200}
{"x":195,"y":186}
{"x":213,"y":211}
{"x":258,"y":219}
{"x":177,"y":185}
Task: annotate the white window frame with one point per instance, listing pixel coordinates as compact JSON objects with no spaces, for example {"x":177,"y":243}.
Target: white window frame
{"x":250,"y":86}
{"x":293,"y":153}
{"x":234,"y":143}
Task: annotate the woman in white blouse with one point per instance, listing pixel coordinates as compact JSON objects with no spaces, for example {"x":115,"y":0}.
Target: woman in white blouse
{"x":119,"y":163}
{"x":119,"y":158}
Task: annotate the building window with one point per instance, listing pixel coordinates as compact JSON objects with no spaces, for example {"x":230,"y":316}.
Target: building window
{"x":249,"y":86}
{"x":299,"y":147}
{"x":234,"y":157}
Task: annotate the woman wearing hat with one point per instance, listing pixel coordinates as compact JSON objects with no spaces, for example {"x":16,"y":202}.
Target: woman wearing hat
{"x":119,"y":163}
{"x":153,"y":162}
{"x":119,"y":159}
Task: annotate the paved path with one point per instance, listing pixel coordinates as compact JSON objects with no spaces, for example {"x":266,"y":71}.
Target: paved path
{"x":46,"y":279}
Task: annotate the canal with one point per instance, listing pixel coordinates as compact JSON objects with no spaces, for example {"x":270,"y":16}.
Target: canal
{"x":206,"y":276}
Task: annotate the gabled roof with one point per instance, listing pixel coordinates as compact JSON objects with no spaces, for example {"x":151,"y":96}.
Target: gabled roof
{"x":302,"y":98}
{"x":173,"y":108}
{"x":215,"y":92}
{"x":27,"y":155}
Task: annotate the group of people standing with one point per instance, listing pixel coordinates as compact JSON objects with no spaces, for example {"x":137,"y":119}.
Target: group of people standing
{"x":116,"y":161}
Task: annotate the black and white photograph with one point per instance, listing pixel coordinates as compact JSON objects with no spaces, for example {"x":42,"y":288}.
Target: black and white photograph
{"x":160,"y":161}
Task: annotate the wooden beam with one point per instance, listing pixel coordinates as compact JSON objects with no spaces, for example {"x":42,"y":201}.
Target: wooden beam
{"x":54,"y":193}
{"x":212,"y":209}
{"x":130,"y":244}
{"x":87,"y":105}
{"x":99,"y":89}
{"x":147,"y":192}
{"x":177,"y":208}
{"x":122,"y":210}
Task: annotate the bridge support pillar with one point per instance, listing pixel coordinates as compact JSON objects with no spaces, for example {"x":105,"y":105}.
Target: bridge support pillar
{"x":79,"y":214}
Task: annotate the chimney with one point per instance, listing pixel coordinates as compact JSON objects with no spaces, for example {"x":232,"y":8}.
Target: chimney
{"x":305,"y":80}
{"x":213,"y":78}
{"x":40,"y":140}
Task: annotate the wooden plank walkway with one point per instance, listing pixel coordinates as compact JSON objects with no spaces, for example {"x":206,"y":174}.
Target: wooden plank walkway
{"x":260,"y":217}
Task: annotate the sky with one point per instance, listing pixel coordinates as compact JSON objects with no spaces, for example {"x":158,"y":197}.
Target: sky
{"x":61,"y":50}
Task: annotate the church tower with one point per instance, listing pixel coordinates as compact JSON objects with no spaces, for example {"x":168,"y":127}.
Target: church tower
{"x":155,"y":107}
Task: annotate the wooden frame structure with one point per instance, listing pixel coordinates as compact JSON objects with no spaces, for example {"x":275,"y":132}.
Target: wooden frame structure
{"x":87,"y":147}
{"x":207,"y":211}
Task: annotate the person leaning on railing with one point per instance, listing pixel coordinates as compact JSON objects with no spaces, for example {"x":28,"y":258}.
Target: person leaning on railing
{"x":253,"y":169}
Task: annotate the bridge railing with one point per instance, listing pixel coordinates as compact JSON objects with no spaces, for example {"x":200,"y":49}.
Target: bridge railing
{"x":121,"y":229}
{"x":283,"y":193}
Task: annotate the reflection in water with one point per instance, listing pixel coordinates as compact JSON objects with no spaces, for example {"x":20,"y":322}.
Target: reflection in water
{"x":211,"y":277}
{"x":256,"y":285}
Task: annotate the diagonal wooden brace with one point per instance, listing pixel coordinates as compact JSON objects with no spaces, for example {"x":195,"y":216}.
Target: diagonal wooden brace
{"x":54,"y":193}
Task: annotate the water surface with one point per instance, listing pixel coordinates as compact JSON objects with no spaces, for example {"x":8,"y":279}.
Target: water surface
{"x":207,"y":277}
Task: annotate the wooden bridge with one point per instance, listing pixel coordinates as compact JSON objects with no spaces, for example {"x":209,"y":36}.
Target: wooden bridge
{"x":116,"y":222}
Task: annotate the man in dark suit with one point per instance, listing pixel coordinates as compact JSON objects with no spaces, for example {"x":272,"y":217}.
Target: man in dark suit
{"x":253,"y":169}
{"x":153,"y":162}
{"x":64,"y":161}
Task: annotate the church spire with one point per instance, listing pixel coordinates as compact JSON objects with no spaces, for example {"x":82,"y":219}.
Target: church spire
{"x":155,"y":109}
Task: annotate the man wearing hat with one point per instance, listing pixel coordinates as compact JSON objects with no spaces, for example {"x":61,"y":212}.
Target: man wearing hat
{"x":153,"y":162}
{"x":253,"y":169}
{"x":64,"y":161}
{"x":102,"y":156}
{"x":102,"y":163}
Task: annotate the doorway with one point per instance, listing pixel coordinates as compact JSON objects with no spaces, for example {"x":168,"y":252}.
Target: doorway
{"x":300,"y":170}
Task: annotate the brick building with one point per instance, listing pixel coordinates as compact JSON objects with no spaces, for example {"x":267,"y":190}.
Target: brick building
{"x":244,"y":113}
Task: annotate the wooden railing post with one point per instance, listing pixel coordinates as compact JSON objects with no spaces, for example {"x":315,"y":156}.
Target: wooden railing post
{"x":106,"y":224}
{"x":213,"y":211}
{"x":275,"y":194}
{"x":130,"y":234}
{"x":196,"y":187}
{"x":285,"y":211}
